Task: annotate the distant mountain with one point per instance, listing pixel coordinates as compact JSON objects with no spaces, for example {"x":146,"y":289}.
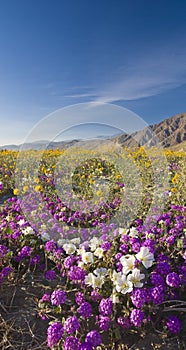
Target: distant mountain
{"x":168,"y":133}
{"x":39,"y":145}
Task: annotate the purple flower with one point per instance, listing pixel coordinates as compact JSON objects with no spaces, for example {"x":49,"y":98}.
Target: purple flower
{"x":50,"y":275}
{"x":156,"y":279}
{"x":138,"y":297}
{"x":85,"y":346}
{"x":173,"y":324}
{"x":163,"y":268}
{"x":95,"y":296}
{"x":45,"y":297}
{"x":93,"y":338}
{"x":157,"y":294}
{"x":80,"y":298}
{"x":69,"y":261}
{"x":118,"y":256}
{"x":50,"y":245}
{"x":173,"y":280}
{"x":71,"y":324}
{"x":149,"y":243}
{"x":136,"y":247}
{"x":124,"y":248}
{"x":85,"y":309}
{"x":124,"y":322}
{"x":105,"y":307}
{"x":76,"y":274}
{"x":137,"y":317}
{"x":54,"y":334}
{"x":58,"y":297}
{"x":71,"y":343}
{"x":170,"y":240}
{"x":106,"y":246}
{"x":3,"y":250}
{"x":6,"y":271}
{"x":25,"y":252}
{"x":35,"y":260}
{"x":104,"y":323}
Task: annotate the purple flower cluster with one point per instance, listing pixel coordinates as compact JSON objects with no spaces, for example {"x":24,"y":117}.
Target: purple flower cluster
{"x":50,"y":246}
{"x":173,"y":324}
{"x":85,"y":309}
{"x":157,"y":294}
{"x":105,"y":307}
{"x":138,"y":297}
{"x":157,"y":279}
{"x":68,"y":262}
{"x":58,"y":297}
{"x":24,"y":253}
{"x":93,"y":338}
{"x":50,"y":275}
{"x":71,"y":325}
{"x":3,"y":250}
{"x":137,"y":317}
{"x":54,"y":334}
{"x":104,"y":323}
{"x":76,"y":273}
{"x":173,"y":280}
{"x":124,"y":322}
{"x":71,"y":343}
{"x":80,"y":298}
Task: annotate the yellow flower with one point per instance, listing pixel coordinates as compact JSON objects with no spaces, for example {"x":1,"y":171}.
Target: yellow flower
{"x":25,"y":189}
{"x":38,"y":188}
{"x":173,"y":190}
{"x":174,"y":179}
{"x":16,"y":191}
{"x":99,"y":193}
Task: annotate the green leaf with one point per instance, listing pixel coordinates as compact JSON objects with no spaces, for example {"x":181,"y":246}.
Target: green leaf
{"x":8,"y":230}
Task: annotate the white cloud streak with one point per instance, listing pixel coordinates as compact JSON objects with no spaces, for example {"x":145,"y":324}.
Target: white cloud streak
{"x":146,"y":76}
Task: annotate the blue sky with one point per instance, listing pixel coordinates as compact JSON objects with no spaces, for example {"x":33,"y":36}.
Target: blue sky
{"x":57,"y":53}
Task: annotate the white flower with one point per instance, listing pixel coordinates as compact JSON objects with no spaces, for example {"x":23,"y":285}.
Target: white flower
{"x":75,"y":241}
{"x":80,"y":251}
{"x":21,"y":222}
{"x":89,"y":279}
{"x":28,"y":230}
{"x":133,"y":232}
{"x":102,"y":271}
{"x":94,"y":243}
{"x":145,"y":257}
{"x":99,"y":252}
{"x":87,"y":257}
{"x":97,"y":281}
{"x":128,"y":263}
{"x":115,"y":276}
{"x":124,"y":285}
{"x":81,"y":264}
{"x":61,"y":241}
{"x":122,"y":231}
{"x":69,"y":248}
{"x":135,"y":277}
{"x":45,"y":237}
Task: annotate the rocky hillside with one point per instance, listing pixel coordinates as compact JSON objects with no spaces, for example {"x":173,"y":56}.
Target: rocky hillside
{"x":168,"y":133}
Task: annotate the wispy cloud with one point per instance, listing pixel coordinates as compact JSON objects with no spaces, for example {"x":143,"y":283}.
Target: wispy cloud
{"x":147,"y":77}
{"x":80,"y":95}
